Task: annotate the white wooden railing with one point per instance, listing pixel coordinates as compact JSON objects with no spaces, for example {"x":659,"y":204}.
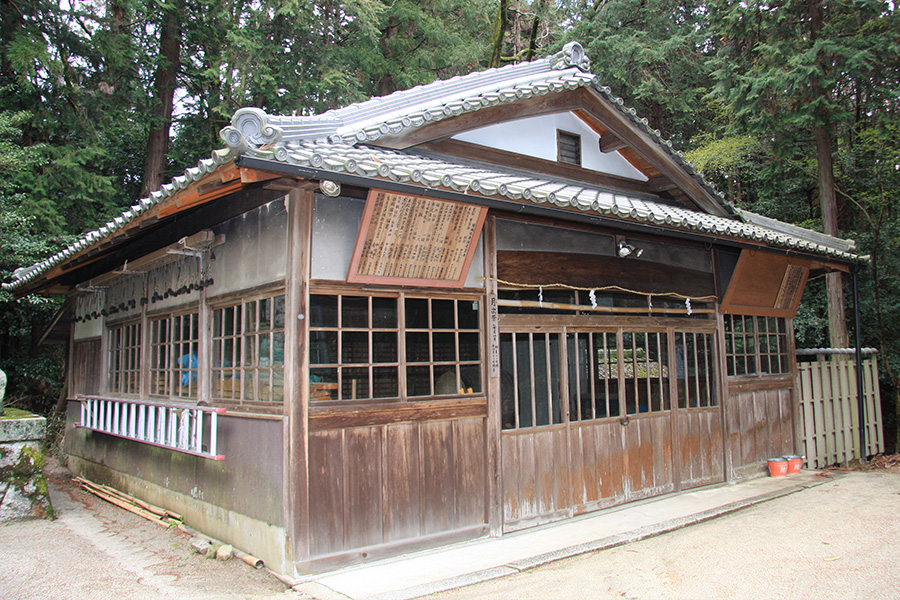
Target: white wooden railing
{"x":829,"y":405}
{"x":185,"y":428}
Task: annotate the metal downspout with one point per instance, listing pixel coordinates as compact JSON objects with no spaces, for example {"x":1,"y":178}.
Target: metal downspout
{"x":861,"y":401}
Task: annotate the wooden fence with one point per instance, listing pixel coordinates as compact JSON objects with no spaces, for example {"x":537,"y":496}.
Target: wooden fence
{"x":829,"y":408}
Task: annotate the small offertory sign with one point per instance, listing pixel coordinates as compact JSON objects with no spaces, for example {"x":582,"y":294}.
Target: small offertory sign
{"x":410,"y":240}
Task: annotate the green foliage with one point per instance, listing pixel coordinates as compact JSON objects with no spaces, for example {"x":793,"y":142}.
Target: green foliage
{"x":34,"y":376}
{"x":655,"y":54}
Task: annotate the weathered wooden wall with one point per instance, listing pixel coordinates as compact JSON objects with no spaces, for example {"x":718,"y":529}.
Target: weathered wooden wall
{"x":85,"y":364}
{"x":376,"y":485}
{"x":552,"y":473}
{"x":759,"y":423}
{"x":701,"y":452}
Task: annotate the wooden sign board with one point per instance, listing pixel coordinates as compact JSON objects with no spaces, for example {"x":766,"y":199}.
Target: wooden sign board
{"x":411,"y":240}
{"x":766,"y":284}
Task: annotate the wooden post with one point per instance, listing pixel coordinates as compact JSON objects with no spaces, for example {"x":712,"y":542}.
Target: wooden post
{"x":494,"y":409}
{"x":296,"y":374}
{"x":144,"y":375}
{"x":796,"y":412}
{"x":725,"y":401}
{"x":103,"y":372}
{"x":674,"y":425}
{"x":204,"y":335}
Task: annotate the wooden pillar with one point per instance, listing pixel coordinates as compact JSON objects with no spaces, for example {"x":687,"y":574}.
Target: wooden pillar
{"x":103,"y":384}
{"x":296,"y":374}
{"x":494,"y":417}
{"x":204,"y":336}
{"x":144,"y":383}
{"x":796,"y":411}
{"x":674,"y":424}
{"x":725,"y":401}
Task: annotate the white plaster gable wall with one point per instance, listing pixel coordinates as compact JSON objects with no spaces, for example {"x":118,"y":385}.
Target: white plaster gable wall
{"x":536,"y":136}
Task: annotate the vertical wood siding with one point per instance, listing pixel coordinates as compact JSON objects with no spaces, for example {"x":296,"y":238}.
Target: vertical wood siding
{"x":85,"y":363}
{"x":376,"y":485}
{"x":556,"y":472}
{"x":701,"y":452}
{"x":759,"y":426}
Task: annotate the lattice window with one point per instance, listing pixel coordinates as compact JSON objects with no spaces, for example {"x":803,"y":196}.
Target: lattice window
{"x":173,"y":356}
{"x":125,"y":358}
{"x":443,"y":348}
{"x":645,"y":371}
{"x":756,"y":345}
{"x":609,"y":374}
{"x":375,"y":347}
{"x":694,"y":370}
{"x":248,"y":351}
{"x":530,"y":364}
{"x":593,"y":375}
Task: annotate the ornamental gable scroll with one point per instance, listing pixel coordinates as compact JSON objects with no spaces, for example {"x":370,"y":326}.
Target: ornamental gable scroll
{"x":411,"y":240}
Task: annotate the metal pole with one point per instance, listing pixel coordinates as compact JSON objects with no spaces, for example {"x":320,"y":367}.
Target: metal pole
{"x":861,"y":401}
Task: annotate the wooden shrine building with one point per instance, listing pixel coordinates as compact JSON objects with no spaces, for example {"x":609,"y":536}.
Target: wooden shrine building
{"x":455,"y":311}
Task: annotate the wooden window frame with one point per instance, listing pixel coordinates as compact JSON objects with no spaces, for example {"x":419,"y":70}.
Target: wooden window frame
{"x":124,"y":354}
{"x":698,"y":366}
{"x":747,"y":350}
{"x":560,"y":154}
{"x":627,"y":392}
{"x":244,"y":335}
{"x":167,"y":367}
{"x":344,"y":366}
{"x":331,"y":392}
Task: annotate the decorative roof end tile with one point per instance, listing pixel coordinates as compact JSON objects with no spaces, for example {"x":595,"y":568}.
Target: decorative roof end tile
{"x":572,"y":55}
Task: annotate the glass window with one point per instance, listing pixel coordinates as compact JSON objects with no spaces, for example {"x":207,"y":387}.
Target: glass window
{"x":248,"y":351}
{"x":125,"y":358}
{"x":756,"y":345}
{"x":173,"y":356}
{"x":353,"y":347}
{"x":356,"y":352}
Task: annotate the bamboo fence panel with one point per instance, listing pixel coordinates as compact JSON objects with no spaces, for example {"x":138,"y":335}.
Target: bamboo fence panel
{"x":829,"y":409}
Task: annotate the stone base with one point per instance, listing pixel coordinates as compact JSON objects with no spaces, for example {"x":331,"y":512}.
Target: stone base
{"x":23,"y":489}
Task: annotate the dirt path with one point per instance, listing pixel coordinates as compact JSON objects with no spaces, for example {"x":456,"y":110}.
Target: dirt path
{"x":97,"y":551}
{"x":835,"y":541}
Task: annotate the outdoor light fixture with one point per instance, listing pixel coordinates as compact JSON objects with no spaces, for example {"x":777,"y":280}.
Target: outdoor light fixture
{"x":626,"y":249}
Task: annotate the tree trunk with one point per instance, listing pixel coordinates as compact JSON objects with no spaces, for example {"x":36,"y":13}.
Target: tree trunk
{"x":837,"y":322}
{"x":164,"y":89}
{"x":499,"y":32}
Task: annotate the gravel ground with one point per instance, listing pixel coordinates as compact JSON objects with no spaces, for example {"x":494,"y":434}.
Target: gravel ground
{"x":835,"y":541}
{"x":838,"y":540}
{"x":131,"y":558}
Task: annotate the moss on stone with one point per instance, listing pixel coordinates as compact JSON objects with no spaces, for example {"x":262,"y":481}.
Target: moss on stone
{"x":15,"y":413}
{"x":26,"y":475}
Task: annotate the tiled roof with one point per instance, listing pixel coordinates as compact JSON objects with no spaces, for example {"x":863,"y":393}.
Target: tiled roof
{"x":329,"y":142}
{"x":432,"y":171}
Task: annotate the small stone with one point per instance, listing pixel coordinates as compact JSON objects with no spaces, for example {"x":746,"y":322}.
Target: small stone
{"x":212,"y":550}
{"x":199,"y":545}
{"x":224,"y":552}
